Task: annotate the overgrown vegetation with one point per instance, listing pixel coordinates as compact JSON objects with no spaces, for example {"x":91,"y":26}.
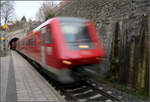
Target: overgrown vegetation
{"x":46,"y":11}
{"x":139,"y":93}
{"x":49,"y":15}
{"x":129,"y":57}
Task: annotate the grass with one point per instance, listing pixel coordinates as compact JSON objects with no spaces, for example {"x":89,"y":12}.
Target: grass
{"x":138,"y":93}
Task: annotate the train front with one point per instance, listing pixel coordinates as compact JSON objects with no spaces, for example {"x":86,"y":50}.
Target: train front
{"x":80,"y":42}
{"x":77,"y":43}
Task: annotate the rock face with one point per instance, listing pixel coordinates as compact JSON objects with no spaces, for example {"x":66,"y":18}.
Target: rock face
{"x":106,"y":13}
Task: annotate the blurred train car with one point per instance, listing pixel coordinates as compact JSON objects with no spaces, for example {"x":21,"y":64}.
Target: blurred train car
{"x":61,"y":43}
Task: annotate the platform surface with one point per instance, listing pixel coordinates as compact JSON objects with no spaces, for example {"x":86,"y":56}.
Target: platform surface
{"x":21,"y":82}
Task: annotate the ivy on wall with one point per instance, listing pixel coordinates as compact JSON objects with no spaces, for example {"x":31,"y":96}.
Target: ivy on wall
{"x":129,"y":54}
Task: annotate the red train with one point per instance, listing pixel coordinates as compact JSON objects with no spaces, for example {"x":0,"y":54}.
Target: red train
{"x":61,"y":43}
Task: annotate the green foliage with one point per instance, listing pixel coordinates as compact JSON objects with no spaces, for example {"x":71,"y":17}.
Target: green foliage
{"x":140,"y":94}
{"x":23,"y":19}
{"x":129,"y":57}
{"x":49,"y":15}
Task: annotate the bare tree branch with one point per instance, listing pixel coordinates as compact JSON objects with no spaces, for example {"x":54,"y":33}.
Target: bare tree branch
{"x":45,"y":11}
{"x":7,"y":11}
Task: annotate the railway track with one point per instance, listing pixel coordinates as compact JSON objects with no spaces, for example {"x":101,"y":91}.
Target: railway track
{"x":82,"y":91}
{"x":85,"y":91}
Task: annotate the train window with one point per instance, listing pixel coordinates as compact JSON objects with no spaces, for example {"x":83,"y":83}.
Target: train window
{"x":49,"y":36}
{"x":23,"y":43}
{"x":18,"y":44}
{"x":32,"y":42}
{"x":43,"y":35}
{"x":77,"y":35}
{"x":29,"y":42}
{"x":26,"y":42}
{"x":76,"y":32}
{"x":35,"y":41}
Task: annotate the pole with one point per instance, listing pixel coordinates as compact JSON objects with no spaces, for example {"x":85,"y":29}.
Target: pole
{"x":0,"y":25}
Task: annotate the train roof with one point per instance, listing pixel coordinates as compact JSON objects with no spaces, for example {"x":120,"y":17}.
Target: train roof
{"x":74,"y":19}
{"x":42,"y":25}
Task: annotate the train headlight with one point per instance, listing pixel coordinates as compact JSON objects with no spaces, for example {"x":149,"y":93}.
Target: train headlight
{"x":83,"y":46}
{"x":100,"y":58}
{"x":66,"y":62}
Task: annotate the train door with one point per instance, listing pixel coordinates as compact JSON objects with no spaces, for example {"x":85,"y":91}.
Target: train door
{"x":50,"y":60}
{"x":43,"y":45}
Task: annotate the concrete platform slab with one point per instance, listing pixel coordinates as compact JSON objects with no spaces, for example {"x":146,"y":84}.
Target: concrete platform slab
{"x":4,"y":67}
{"x":29,"y":84}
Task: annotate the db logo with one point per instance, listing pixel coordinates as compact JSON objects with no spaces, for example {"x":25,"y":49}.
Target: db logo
{"x":86,"y":53}
{"x":49,"y":50}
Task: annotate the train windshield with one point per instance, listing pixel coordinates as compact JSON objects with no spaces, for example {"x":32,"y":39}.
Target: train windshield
{"x":76,"y":32}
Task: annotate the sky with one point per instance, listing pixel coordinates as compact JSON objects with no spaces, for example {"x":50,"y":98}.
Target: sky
{"x":27,"y":9}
